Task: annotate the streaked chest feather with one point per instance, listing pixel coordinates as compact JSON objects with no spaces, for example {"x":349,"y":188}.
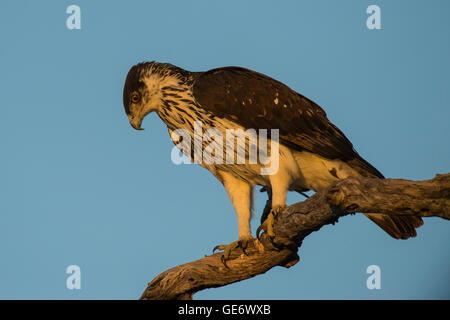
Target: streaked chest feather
{"x":304,"y":170}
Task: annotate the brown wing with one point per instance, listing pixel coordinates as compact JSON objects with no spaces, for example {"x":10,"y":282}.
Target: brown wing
{"x":256,"y":101}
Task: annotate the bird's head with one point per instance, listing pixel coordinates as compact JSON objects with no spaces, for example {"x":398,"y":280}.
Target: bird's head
{"x":141,"y":95}
{"x":144,"y":86}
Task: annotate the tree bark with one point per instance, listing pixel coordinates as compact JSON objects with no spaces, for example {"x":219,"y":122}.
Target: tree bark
{"x":429,"y":198}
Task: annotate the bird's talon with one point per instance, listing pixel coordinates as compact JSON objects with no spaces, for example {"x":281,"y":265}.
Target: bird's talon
{"x":258,"y":231}
{"x":241,"y":246}
{"x":271,"y":240}
{"x":222,"y":258}
{"x":267,"y":225}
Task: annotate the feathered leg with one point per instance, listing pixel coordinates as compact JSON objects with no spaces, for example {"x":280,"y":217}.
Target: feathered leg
{"x":240,"y":193}
{"x":279,"y":188}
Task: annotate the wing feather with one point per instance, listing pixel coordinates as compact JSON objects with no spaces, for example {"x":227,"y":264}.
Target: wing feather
{"x":256,"y":101}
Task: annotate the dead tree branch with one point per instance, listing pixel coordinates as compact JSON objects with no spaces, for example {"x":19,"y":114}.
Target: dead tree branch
{"x":429,"y":198}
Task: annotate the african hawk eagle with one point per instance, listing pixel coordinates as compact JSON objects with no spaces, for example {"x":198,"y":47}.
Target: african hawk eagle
{"x":313,"y":152}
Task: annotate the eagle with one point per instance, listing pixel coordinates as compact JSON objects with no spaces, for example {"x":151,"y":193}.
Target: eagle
{"x":312,"y":153}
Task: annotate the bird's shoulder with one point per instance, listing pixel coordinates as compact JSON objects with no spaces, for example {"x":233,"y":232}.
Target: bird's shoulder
{"x":240,"y":90}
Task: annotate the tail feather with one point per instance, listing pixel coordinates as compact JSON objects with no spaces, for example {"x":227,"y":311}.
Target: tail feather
{"x":398,"y":227}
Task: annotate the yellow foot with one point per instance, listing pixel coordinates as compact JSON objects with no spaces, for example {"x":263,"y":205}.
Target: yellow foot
{"x":267,"y":225}
{"x":242,"y":244}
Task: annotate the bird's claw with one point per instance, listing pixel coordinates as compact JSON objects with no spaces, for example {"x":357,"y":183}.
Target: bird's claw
{"x":242,"y":247}
{"x":267,"y":225}
{"x":222,"y":258}
{"x":263,"y":227}
{"x":242,"y":244}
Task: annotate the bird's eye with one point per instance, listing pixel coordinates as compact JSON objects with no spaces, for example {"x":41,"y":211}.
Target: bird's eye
{"x":135,"y":98}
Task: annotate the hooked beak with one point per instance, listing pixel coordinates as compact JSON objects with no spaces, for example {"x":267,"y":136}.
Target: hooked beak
{"x":135,"y":122}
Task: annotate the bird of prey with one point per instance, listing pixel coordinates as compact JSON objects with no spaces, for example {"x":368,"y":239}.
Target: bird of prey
{"x":313,"y":152}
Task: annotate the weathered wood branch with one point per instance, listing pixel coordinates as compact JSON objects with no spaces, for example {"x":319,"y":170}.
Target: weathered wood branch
{"x":389,"y":196}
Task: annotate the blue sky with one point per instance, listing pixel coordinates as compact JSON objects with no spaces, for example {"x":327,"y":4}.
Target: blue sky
{"x":80,"y":187}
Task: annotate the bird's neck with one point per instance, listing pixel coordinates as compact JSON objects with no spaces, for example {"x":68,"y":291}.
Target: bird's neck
{"x":173,"y":97}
